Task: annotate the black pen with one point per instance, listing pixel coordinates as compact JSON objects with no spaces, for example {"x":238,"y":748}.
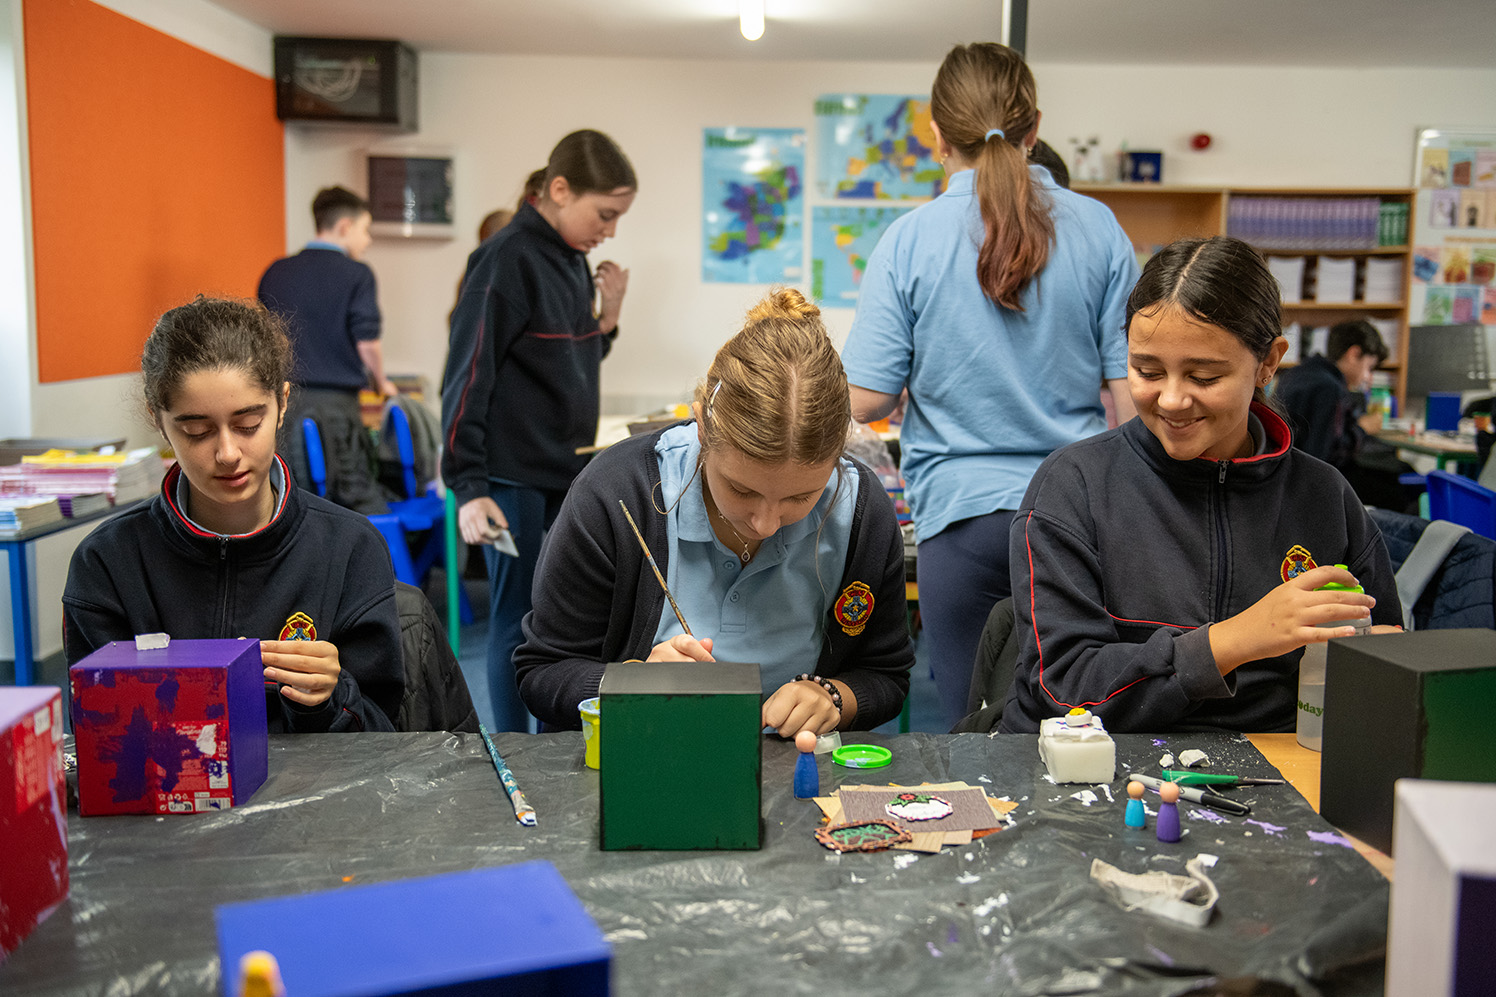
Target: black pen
{"x":1195,"y":794}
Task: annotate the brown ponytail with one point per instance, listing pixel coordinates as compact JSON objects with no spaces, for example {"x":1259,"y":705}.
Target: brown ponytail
{"x":981,"y":88}
{"x":776,"y":391}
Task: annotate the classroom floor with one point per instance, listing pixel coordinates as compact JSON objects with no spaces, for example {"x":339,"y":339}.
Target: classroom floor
{"x":924,"y":713}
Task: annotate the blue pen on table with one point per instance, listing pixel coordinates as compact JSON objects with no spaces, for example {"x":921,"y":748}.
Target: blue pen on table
{"x":1195,"y":794}
{"x":523,"y":812}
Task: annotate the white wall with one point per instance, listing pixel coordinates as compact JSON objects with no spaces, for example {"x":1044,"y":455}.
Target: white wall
{"x":498,"y":117}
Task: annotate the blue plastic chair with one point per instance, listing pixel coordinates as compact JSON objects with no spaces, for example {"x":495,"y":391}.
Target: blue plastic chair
{"x":1460,"y":500}
{"x":418,"y":512}
{"x":316,"y":461}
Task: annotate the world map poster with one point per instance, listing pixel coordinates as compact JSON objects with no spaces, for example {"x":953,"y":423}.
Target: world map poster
{"x":752,"y":217}
{"x":842,"y":238}
{"x":876,"y":147}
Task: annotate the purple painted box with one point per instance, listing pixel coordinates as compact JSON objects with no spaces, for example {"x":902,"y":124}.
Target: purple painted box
{"x":179,"y":729}
{"x":33,"y":811}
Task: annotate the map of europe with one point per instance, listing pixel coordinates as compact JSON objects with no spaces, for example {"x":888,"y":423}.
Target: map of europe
{"x":841,"y":240}
{"x":876,"y":146}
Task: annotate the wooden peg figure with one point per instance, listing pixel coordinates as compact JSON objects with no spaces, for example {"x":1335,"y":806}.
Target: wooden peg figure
{"x":259,"y":976}
{"x":807,"y":776}
{"x":1168,"y":812}
{"x":1135,"y":816}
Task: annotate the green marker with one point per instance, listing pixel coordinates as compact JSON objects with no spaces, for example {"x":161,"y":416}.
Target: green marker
{"x":1185,"y":778}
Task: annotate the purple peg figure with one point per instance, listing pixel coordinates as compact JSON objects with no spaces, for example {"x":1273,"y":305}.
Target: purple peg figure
{"x":1168,"y":812}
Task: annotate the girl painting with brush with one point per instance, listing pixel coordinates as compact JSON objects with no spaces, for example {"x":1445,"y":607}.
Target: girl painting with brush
{"x":777,"y":548}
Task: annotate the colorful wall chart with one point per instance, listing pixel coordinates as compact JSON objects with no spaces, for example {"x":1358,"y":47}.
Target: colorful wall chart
{"x":752,"y":210}
{"x":842,"y":238}
{"x":876,"y":146}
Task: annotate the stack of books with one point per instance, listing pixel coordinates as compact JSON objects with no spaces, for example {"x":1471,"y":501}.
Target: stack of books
{"x":20,"y":513}
{"x":120,"y":478}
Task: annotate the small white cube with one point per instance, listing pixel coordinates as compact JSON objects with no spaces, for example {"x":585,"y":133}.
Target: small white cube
{"x":1077,"y":748}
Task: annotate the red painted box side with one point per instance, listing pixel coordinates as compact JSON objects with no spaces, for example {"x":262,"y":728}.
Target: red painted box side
{"x":33,"y":812}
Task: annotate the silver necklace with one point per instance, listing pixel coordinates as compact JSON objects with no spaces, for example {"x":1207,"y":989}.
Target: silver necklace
{"x":746,"y":556}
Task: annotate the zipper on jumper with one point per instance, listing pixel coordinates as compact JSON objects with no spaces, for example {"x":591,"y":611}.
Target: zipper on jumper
{"x":1222,"y":570}
{"x":1221,"y":478}
{"x":223,"y":585}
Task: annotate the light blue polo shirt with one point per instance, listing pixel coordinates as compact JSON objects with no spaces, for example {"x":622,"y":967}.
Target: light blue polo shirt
{"x":991,"y":392}
{"x":773,"y":609}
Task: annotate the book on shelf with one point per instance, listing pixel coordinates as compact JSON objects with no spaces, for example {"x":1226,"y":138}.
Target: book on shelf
{"x":1383,"y":279}
{"x":121,"y":478}
{"x":1335,"y":280}
{"x":27,"y":512}
{"x":1288,"y":271}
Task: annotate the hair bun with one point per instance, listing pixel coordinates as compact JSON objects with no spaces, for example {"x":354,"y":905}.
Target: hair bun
{"x":783,"y":302}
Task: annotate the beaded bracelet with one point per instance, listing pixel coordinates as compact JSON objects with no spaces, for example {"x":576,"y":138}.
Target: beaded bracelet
{"x":826,"y":684}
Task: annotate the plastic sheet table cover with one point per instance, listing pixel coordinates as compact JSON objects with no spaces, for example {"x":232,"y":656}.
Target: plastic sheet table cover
{"x":1014,"y":913}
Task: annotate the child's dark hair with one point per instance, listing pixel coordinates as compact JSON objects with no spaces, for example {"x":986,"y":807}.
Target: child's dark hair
{"x":985,"y":102}
{"x":213,"y":334}
{"x":1356,"y":332}
{"x":591,"y":163}
{"x":1220,"y":281}
{"x":333,"y":204}
{"x":534,"y":188}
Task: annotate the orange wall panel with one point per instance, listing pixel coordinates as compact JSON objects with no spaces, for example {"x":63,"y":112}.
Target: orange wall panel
{"x":157,"y":173}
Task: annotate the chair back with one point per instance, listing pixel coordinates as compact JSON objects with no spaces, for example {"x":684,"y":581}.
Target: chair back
{"x":316,"y":461}
{"x":1462,"y":501}
{"x":397,"y":424}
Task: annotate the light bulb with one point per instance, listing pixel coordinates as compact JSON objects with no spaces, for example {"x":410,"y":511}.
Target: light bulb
{"x":751,"y":19}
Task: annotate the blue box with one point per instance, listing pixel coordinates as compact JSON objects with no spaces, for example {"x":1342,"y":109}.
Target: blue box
{"x":514,"y":930}
{"x":1443,"y":411}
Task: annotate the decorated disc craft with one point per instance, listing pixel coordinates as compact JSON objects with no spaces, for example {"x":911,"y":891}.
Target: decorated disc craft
{"x":917,"y":806}
{"x":862,"y":836}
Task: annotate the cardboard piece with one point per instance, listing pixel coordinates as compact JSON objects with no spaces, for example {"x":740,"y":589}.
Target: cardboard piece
{"x":676,"y":730}
{"x":970,"y":810}
{"x":922,"y":841}
{"x":514,"y":929}
{"x":1443,"y":905}
{"x":33,"y":811}
{"x":1398,"y":706}
{"x":178,"y":729}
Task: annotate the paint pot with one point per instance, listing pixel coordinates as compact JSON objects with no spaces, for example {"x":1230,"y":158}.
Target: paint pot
{"x":590,"y":737}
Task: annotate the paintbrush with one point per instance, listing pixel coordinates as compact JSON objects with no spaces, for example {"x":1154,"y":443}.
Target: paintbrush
{"x":656,"y":568}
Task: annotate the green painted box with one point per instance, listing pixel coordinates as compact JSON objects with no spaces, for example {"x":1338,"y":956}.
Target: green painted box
{"x":680,"y":762}
{"x":1404,"y":706}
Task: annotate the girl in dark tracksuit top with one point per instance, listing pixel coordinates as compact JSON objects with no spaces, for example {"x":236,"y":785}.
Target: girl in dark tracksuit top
{"x":777,"y":550}
{"x":231,"y":548}
{"x":520,"y":393}
{"x":1166,"y":574}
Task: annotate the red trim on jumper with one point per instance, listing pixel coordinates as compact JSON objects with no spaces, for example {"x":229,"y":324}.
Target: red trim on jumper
{"x":169,"y":492}
{"x":567,"y":335}
{"x":1156,"y":623}
{"x":462,"y":398}
{"x":1039,"y":644}
{"x":1276,"y":430}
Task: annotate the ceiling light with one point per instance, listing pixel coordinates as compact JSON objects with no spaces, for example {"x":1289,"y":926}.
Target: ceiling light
{"x":751,"y":19}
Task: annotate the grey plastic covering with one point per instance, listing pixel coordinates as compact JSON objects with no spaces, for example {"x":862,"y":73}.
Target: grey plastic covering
{"x":1015,"y":913}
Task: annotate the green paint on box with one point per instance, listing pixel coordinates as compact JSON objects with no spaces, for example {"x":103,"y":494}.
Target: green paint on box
{"x":1458,"y":745}
{"x":680,"y":756}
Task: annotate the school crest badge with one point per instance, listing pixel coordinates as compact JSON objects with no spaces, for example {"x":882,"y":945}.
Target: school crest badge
{"x":1296,"y":562}
{"x":853,"y":607}
{"x":299,"y":626}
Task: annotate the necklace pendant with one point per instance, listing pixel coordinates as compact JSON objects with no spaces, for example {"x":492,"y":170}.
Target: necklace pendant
{"x":745,"y":555}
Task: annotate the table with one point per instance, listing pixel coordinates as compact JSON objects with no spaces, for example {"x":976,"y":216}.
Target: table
{"x":21,"y":584}
{"x":1013,"y":913}
{"x":1448,"y":449}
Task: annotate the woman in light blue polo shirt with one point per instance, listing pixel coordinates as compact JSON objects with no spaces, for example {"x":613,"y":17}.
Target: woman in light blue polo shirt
{"x":1000,"y":307}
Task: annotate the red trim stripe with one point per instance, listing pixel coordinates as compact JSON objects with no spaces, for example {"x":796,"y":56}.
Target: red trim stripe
{"x":1039,"y":644}
{"x":467,"y":387}
{"x":1155,"y":623}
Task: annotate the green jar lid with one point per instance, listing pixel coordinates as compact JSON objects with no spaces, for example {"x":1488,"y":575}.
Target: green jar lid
{"x":1337,"y":587}
{"x":862,"y":756}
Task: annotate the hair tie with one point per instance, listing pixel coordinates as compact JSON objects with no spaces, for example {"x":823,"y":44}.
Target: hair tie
{"x":712,"y":398}
{"x":994,"y":131}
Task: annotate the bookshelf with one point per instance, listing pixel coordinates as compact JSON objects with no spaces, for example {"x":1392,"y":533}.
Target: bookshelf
{"x":1315,"y":223}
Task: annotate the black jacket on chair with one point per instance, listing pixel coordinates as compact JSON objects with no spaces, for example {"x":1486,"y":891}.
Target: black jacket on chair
{"x":436,"y":694}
